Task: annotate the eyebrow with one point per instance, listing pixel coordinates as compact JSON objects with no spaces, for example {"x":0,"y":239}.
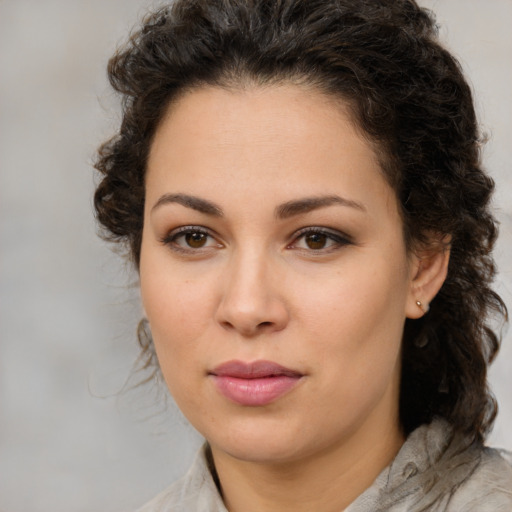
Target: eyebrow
{"x":193,"y":202}
{"x":308,"y":204}
{"x":283,"y":211}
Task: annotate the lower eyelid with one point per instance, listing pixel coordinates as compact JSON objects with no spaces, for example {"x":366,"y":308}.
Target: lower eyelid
{"x":175,"y":241}
{"x":339,"y":238}
{"x":334,"y":239}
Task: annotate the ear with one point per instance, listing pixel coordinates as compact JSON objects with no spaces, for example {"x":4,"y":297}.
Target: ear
{"x":429,"y":267}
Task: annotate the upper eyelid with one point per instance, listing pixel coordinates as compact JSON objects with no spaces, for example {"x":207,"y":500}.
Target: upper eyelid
{"x":337,"y":238}
{"x":335,"y":233}
{"x":190,"y":229}
{"x":170,"y":235}
{"x":171,"y":241}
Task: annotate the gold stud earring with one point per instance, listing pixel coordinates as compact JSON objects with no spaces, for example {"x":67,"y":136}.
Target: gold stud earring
{"x":423,"y":307}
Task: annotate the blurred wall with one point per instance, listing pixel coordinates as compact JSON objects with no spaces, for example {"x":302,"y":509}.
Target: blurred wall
{"x":68,"y":307}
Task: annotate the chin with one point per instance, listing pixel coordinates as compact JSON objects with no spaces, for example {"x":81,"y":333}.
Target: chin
{"x":263,"y":452}
{"x":265,"y":444}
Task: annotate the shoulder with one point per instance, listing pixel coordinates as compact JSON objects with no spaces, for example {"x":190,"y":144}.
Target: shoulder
{"x":195,"y":492}
{"x":442,"y":470}
{"x":489,"y":487}
{"x":166,"y":500}
{"x":178,"y":497}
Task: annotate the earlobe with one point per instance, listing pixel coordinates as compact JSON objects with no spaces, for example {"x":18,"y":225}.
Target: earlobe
{"x":428,"y":273}
{"x":423,"y":307}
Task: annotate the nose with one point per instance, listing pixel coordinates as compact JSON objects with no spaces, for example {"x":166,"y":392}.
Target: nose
{"x":252,"y":300}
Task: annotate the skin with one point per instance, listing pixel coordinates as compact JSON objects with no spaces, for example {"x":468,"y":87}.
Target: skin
{"x":245,"y":283}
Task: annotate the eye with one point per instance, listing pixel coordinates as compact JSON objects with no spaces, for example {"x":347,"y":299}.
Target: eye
{"x":319,"y":239}
{"x":190,"y":239}
{"x":196,"y":240}
{"x":316,"y":241}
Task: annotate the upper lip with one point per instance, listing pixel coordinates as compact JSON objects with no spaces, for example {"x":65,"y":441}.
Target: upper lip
{"x":253,"y":370}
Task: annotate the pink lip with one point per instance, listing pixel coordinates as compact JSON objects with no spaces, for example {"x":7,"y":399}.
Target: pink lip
{"x":254,"y":384}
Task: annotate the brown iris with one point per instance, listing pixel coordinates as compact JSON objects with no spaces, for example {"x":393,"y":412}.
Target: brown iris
{"x":196,"y":240}
{"x":316,"y":240}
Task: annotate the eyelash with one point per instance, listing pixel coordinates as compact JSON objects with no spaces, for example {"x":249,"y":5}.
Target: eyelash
{"x":337,"y":238}
{"x":171,"y":238}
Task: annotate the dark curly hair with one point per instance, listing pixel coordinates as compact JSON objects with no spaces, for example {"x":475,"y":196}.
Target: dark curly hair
{"x":408,"y":96}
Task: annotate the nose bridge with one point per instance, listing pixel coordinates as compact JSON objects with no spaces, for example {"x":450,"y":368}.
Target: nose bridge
{"x":250,"y":300}
{"x":248,"y":268}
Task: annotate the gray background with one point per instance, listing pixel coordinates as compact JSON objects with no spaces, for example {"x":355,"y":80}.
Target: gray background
{"x":69,"y":441}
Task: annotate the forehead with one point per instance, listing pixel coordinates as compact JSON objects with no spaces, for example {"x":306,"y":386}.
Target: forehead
{"x":261,"y":124}
{"x":277,"y":142}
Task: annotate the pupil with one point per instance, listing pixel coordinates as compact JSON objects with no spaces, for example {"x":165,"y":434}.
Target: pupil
{"x":195,"y":240}
{"x":316,"y":240}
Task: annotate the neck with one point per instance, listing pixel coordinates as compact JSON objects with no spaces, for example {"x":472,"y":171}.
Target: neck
{"x":325,"y":482}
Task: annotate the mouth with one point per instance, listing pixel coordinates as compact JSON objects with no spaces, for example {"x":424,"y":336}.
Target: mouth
{"x":254,"y":384}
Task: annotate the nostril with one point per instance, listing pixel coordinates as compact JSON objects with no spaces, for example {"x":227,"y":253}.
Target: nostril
{"x":227,"y":325}
{"x":248,"y":329}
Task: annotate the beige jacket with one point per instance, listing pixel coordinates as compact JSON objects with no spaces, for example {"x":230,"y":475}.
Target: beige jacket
{"x":434,"y":471}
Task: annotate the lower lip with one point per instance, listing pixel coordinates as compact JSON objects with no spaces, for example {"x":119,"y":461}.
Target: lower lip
{"x":254,"y":392}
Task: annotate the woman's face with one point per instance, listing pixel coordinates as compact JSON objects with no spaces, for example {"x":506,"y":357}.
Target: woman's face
{"x":274,"y":273}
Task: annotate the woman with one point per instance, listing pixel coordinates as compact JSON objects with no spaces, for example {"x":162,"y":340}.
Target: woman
{"x":299,"y":186}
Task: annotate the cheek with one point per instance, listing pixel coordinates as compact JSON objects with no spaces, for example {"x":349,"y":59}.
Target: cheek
{"x":355,"y":349}
{"x":362,"y":295}
{"x":356,"y":320}
{"x":177,"y":307}
{"x":174,"y":312}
